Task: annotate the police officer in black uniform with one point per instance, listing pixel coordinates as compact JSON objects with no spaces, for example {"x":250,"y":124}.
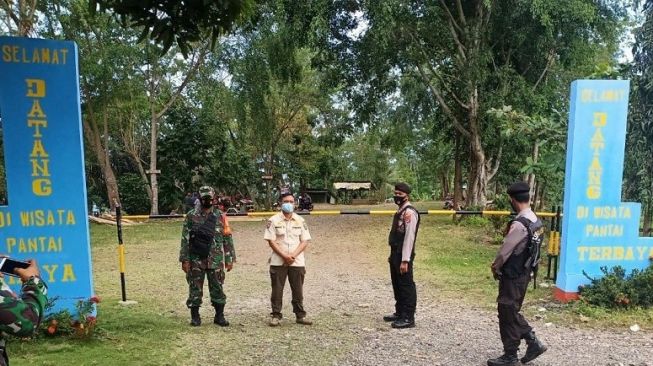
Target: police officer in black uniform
{"x":511,"y":269}
{"x":403,"y":234}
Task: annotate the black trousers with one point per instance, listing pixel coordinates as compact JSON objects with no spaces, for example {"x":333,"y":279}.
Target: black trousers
{"x":403,"y":286}
{"x":512,"y":325}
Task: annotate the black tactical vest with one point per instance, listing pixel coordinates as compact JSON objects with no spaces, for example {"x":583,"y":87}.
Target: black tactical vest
{"x":202,"y":235}
{"x":396,"y":237}
{"x":523,"y":263}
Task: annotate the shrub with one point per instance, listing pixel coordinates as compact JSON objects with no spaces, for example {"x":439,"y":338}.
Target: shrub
{"x":63,"y":323}
{"x":133,"y":194}
{"x":618,"y":290}
{"x":475,"y":221}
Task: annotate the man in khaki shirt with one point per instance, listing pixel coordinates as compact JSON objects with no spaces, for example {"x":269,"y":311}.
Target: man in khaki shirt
{"x":287,"y":235}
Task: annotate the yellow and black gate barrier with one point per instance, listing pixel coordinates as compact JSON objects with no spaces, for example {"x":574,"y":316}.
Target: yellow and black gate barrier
{"x":553,"y":247}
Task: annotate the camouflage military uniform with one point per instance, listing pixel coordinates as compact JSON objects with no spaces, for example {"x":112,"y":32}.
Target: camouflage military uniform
{"x":20,"y":317}
{"x":222,"y":252}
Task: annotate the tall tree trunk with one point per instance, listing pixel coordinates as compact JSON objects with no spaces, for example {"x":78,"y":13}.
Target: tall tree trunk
{"x":530,"y":179}
{"x":270,"y":173}
{"x":535,"y":196}
{"x":154,"y":183}
{"x":478,"y":175}
{"x":156,"y":117}
{"x":22,"y":17}
{"x":648,"y":215}
{"x":540,"y":195}
{"x":101,"y":151}
{"x":646,"y":230}
{"x":141,"y":171}
{"x":458,"y":174}
{"x":112,"y":182}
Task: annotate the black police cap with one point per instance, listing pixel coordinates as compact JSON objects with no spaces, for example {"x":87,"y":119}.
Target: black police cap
{"x":403,"y":187}
{"x":517,"y":188}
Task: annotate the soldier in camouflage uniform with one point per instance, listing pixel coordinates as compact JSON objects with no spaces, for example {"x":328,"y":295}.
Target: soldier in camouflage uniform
{"x":21,"y":316}
{"x":219,"y":255}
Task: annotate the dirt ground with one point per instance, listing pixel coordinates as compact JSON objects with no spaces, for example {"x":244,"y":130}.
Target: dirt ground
{"x":347,"y":291}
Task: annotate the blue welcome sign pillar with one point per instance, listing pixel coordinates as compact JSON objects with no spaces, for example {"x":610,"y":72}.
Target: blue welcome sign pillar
{"x":47,"y":215}
{"x":597,"y":228}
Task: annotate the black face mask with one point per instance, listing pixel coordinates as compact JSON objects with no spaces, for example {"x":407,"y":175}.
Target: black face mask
{"x":207,"y":203}
{"x":399,"y":200}
{"x":514,"y":207}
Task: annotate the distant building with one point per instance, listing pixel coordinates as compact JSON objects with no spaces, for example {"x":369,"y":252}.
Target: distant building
{"x":355,"y":192}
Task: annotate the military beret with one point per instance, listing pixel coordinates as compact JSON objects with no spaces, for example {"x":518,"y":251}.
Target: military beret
{"x":403,"y":187}
{"x":517,"y":188}
{"x":285,"y":194}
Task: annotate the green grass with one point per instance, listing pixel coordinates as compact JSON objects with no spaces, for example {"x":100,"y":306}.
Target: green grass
{"x":126,"y":335}
{"x":455,"y":258}
{"x":452,"y":264}
{"x":156,"y":331}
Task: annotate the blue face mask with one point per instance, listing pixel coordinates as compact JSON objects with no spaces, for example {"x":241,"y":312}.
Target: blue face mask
{"x":287,"y":207}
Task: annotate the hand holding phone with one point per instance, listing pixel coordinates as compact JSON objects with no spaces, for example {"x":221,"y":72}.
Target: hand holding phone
{"x":24,"y":270}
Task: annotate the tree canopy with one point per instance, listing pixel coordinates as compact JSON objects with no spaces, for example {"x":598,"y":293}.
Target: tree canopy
{"x":455,"y":97}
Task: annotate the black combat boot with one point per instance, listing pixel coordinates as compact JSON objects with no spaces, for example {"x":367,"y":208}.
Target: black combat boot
{"x":219,"y":316}
{"x":404,"y":322}
{"x":507,"y":359}
{"x":535,"y":348}
{"x":195,"y":319}
{"x":391,"y":318}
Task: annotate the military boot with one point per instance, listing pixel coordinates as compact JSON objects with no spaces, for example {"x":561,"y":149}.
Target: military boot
{"x":391,"y":318}
{"x":507,"y":359}
{"x":219,"y":316}
{"x":535,"y":348}
{"x":404,"y":322}
{"x":195,"y":319}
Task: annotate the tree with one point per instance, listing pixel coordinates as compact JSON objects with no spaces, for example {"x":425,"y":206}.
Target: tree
{"x":541,"y":135}
{"x":487,"y":54}
{"x":278,"y":91}
{"x":108,"y":62}
{"x":162,"y":94}
{"x":638,"y":170}
{"x":186,"y":23}
{"x":19,"y":16}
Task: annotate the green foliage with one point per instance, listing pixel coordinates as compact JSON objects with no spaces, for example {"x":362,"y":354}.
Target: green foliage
{"x":62,"y":323}
{"x":615,"y":289}
{"x":133,"y":194}
{"x":168,"y":21}
{"x":638,"y":169}
{"x":319,"y":91}
{"x":476,"y":221}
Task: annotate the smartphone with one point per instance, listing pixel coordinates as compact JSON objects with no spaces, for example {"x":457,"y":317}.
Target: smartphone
{"x":7,"y":265}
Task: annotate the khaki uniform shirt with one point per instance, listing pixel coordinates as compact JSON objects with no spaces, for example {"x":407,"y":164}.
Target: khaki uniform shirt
{"x":288,"y":234}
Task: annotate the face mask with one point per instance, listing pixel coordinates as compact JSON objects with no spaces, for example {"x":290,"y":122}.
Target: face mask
{"x":399,"y":200}
{"x":206,"y":203}
{"x":287,"y":207}
{"x":514,"y":207}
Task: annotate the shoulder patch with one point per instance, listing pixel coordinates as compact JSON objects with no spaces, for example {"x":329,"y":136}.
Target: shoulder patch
{"x":408,"y":215}
{"x":269,"y":223}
